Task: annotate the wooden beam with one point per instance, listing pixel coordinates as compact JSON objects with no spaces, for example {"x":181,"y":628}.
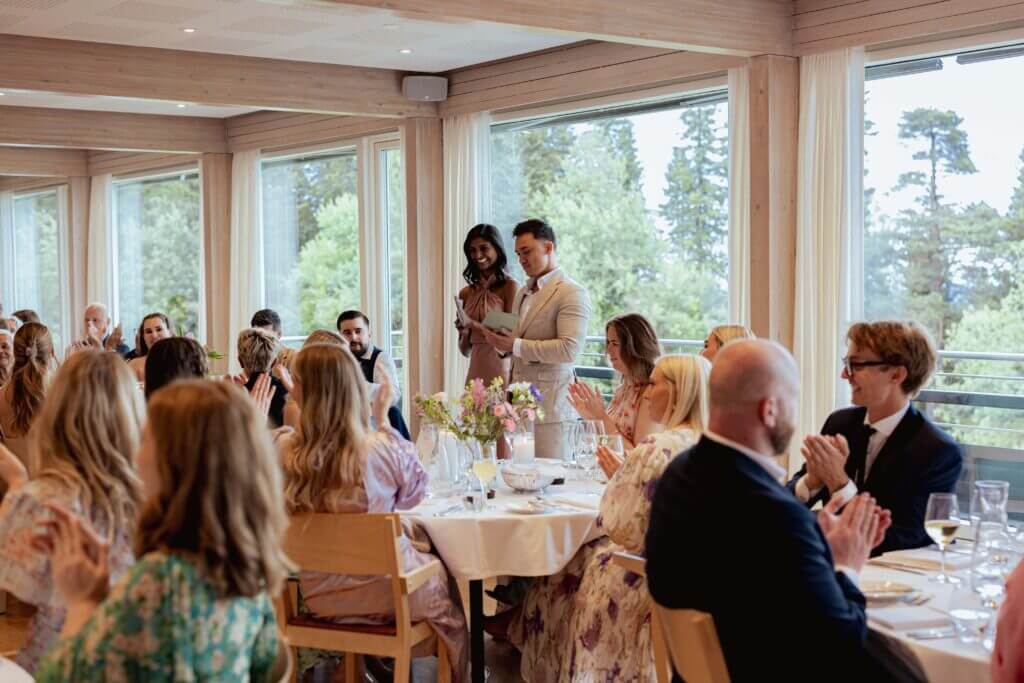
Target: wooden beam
{"x":33,"y":161}
{"x":81,"y":68}
{"x":24,"y":183}
{"x":125,"y":163}
{"x":575,"y":72}
{"x":78,"y":242}
{"x":33,"y":126}
{"x":215,"y":172}
{"x":737,"y":27}
{"x":274,"y":130}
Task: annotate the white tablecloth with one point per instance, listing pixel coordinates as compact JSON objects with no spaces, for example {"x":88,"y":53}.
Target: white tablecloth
{"x":946,"y":660}
{"x":481,"y":545}
{"x":12,"y":673}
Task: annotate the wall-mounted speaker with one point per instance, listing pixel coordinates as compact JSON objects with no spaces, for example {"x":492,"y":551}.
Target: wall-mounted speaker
{"x":425,"y":88}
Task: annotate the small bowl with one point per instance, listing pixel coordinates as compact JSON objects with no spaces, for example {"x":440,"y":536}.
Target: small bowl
{"x":526,"y":477}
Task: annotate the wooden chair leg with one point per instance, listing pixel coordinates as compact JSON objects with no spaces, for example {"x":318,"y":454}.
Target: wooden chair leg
{"x":351,"y":667}
{"x":296,"y":673}
{"x":662,"y":667}
{"x":444,"y":666}
{"x":403,"y":667}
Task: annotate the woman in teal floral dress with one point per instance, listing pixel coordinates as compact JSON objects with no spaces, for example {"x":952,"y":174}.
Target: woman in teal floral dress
{"x":591,"y":621}
{"x":196,"y":604}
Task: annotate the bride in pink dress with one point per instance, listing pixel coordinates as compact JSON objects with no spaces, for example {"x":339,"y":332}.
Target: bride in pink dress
{"x":490,"y":287}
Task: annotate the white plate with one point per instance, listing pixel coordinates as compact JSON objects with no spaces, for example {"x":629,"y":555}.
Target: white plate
{"x":524,"y":509}
{"x":886,"y":591}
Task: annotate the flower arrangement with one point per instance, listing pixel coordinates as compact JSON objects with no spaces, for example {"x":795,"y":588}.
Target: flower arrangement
{"x":484,"y":412}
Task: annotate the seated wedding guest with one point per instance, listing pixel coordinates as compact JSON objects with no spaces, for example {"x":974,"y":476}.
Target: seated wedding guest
{"x":883,"y":446}
{"x":632,"y":348}
{"x":334,"y":462}
{"x":6,"y":355}
{"x":753,"y":556}
{"x":174,"y":358}
{"x":591,"y":621}
{"x":721,"y":335}
{"x":196,"y":605}
{"x":268,"y":319}
{"x":257,"y":351}
{"x":376,"y":364}
{"x":98,"y":334}
{"x":1007,"y":664}
{"x":86,"y":438}
{"x":154,"y":327}
{"x":291,"y":408}
{"x":26,"y":315}
{"x":22,"y":397}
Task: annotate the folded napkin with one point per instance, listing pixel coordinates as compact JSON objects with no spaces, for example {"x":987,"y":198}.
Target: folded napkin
{"x":928,"y":559}
{"x":907,"y":618}
{"x":581,"y":501}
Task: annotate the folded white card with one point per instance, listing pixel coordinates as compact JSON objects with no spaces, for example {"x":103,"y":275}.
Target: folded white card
{"x":907,"y":618}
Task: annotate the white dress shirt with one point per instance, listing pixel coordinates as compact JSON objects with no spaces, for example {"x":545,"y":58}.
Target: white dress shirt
{"x":383,"y":371}
{"x":883,"y":430}
{"x":527,"y":300}
{"x":778,"y":474}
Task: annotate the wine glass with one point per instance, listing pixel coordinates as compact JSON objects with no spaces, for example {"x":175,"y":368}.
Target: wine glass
{"x":612,"y":442}
{"x":941,"y":520}
{"x":593,"y":430}
{"x":485,"y":467}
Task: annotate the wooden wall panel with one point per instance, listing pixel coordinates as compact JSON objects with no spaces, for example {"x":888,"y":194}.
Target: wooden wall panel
{"x":215,"y":172}
{"x":127,"y":163}
{"x":24,"y":183}
{"x":272,"y":130}
{"x":40,"y":161}
{"x":820,"y":25}
{"x":576,"y":72}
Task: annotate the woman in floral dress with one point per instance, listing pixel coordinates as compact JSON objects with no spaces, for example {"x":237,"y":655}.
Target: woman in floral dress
{"x":196,"y":605}
{"x":591,"y":621}
{"x":86,"y":435}
{"x":632,"y":348}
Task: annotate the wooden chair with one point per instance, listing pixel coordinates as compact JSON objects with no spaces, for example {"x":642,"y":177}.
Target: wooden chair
{"x":284,"y":664}
{"x":357,"y":544}
{"x":662,"y":665}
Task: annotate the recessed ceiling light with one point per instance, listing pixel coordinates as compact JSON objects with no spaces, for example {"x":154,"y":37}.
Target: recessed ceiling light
{"x":405,"y":51}
{"x":188,"y":30}
{"x":181,"y":106}
{"x":2,"y":94}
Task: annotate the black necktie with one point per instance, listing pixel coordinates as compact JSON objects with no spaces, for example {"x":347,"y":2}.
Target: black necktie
{"x":859,"y":455}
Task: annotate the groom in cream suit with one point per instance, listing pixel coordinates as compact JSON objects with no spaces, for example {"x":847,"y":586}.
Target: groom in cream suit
{"x":553,"y":315}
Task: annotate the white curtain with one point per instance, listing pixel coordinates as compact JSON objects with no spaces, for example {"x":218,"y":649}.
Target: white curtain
{"x":829,"y":218}
{"x":466,"y":203}
{"x":246,"y":247}
{"x":739,"y":196}
{"x":99,"y":269}
{"x":7,"y":252}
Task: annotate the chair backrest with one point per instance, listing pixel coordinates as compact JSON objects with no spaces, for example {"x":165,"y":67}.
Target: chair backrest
{"x":693,"y":645}
{"x":361,"y":544}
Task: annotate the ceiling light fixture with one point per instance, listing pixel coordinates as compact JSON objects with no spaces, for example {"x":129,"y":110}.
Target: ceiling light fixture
{"x":405,"y":51}
{"x":188,"y":30}
{"x":181,"y":106}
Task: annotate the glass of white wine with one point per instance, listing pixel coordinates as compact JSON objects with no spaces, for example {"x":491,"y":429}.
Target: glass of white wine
{"x":485,"y":467}
{"x":941,"y":521}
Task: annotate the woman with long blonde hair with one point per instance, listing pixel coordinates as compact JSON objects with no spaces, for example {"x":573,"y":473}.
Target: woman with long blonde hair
{"x":590,"y":622}
{"x":720,"y":335}
{"x":334,"y":462}
{"x":196,"y":605}
{"x":86,"y":436}
{"x":22,"y":396}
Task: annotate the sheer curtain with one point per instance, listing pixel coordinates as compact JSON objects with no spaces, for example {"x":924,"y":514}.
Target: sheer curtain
{"x":246,"y":247}
{"x":7,"y":253}
{"x":739,"y":195}
{"x":466,"y":203}
{"x":99,"y":272}
{"x":829,"y":215}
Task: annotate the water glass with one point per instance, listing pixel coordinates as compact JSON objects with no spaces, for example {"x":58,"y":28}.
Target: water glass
{"x":593,"y":431}
{"x":989,"y":499}
{"x":970,"y":613}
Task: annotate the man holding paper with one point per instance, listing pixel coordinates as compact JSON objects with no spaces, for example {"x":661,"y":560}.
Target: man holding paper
{"x":550,"y":326}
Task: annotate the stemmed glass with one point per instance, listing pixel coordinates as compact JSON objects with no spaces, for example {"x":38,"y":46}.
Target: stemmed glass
{"x":593,"y":431}
{"x":612,"y":442}
{"x":485,"y":467}
{"x":941,"y":520}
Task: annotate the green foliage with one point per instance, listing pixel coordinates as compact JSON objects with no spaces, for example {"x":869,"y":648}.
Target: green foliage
{"x":328,"y":264}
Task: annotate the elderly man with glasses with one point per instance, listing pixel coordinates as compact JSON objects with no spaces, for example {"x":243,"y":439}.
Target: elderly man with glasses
{"x":883,"y":445}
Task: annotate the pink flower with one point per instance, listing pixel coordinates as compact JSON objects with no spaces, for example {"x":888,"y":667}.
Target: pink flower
{"x":509,"y":425}
{"x":499,"y":410}
{"x":531,"y":415}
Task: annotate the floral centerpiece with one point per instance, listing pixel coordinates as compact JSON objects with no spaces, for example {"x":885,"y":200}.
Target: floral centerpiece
{"x":483,"y":413}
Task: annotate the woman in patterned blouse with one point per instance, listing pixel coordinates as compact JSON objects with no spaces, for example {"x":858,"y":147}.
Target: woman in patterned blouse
{"x":196,"y":605}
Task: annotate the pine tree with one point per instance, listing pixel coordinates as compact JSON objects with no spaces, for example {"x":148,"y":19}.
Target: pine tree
{"x":697,"y":192}
{"x":622,"y":142}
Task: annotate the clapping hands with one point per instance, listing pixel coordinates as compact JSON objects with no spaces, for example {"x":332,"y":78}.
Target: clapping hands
{"x":79,"y":557}
{"x":852,"y":533}
{"x":826,"y":457}
{"x":587,"y":401}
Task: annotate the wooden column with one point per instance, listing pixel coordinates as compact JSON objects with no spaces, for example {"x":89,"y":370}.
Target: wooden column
{"x":424,"y":202}
{"x":215,"y":173}
{"x":79,"y":188}
{"x":774,"y":123}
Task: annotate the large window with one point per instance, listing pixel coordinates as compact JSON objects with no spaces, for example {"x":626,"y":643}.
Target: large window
{"x":36,"y":259}
{"x":392,"y":198}
{"x":311,"y":239}
{"x":944,"y":237}
{"x":638,"y":198}
{"x":158,"y":247}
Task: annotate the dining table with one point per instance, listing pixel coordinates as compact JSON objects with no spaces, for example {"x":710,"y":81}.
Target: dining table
{"x":519,"y":533}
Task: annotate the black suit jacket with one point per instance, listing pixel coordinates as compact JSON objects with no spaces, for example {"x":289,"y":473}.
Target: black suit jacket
{"x":917,"y":459}
{"x":726,"y":538}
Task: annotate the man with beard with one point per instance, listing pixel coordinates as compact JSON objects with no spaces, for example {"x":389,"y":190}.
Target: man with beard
{"x":377,"y":366}
{"x":726,"y":538}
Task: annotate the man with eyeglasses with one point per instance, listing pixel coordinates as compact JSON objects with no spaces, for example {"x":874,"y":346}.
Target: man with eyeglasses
{"x":883,"y":445}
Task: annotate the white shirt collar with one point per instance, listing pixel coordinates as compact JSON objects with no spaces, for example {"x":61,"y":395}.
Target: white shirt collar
{"x":546,"y":278}
{"x":887,"y":425}
{"x":765,"y":461}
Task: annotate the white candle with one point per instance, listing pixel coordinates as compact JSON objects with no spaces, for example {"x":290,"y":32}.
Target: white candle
{"x":522,"y":448}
